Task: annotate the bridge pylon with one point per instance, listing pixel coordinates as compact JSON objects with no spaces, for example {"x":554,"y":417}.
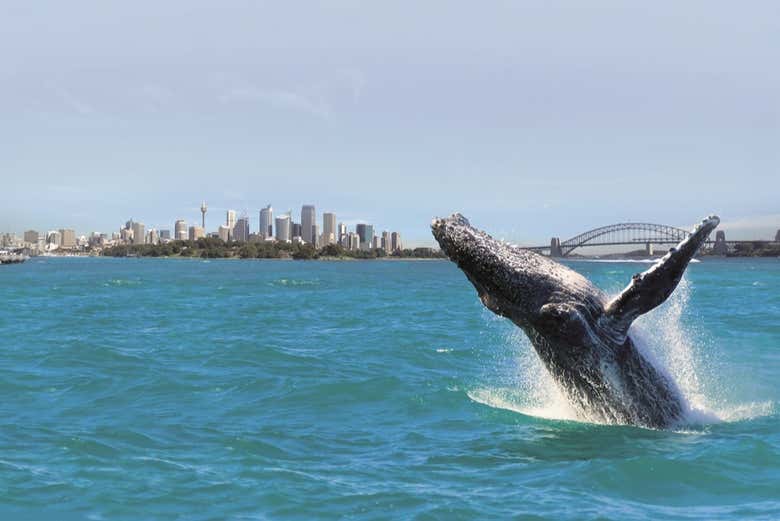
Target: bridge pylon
{"x":555,"y":247}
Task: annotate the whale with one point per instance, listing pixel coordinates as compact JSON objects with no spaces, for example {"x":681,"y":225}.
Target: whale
{"x":583,"y":337}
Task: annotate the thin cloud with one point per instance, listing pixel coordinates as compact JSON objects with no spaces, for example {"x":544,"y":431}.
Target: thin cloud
{"x":279,"y":99}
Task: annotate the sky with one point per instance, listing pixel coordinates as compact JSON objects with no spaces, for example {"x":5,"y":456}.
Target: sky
{"x":533,"y":119}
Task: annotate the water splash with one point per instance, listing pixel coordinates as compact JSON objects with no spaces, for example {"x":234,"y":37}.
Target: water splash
{"x":667,"y":337}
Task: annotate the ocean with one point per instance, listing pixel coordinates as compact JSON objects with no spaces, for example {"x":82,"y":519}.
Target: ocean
{"x":209,"y":390}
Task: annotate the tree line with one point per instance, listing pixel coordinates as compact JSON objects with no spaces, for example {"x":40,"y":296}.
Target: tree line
{"x":215,"y":248}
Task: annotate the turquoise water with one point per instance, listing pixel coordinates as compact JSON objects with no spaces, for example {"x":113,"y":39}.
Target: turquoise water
{"x":173,"y":389}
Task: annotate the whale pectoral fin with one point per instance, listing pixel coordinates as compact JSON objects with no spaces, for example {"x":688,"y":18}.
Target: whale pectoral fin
{"x":651,"y":288}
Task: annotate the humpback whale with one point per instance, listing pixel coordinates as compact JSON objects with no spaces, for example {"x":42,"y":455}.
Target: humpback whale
{"x":582,"y":336}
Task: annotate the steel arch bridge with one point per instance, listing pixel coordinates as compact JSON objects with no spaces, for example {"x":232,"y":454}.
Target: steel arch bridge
{"x":621,"y":234}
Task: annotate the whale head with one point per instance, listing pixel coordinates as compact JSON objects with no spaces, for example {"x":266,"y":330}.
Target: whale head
{"x":510,"y":281}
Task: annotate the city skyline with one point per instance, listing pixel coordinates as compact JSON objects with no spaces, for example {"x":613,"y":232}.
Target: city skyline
{"x":531,"y":123}
{"x":761,"y":228}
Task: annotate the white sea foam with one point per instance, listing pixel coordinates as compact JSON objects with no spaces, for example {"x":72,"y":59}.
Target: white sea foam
{"x":667,"y":339}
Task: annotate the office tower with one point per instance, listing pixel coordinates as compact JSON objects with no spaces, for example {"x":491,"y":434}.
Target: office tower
{"x":126,"y":236}
{"x":283,"y":228}
{"x":31,"y":236}
{"x":241,"y":230}
{"x":342,"y":232}
{"x":395,"y":241}
{"x":308,"y":220}
{"x":315,"y":235}
{"x":224,"y":232}
{"x":386,"y":241}
{"x":203,"y":210}
{"x":139,"y":233}
{"x":67,"y":238}
{"x":165,"y":235}
{"x":196,"y":232}
{"x":366,"y":234}
{"x":353,"y":240}
{"x":296,"y":230}
{"x":230,"y":221}
{"x":376,"y":242}
{"x":180,"y":230}
{"x":266,"y":222}
{"x":154,"y":237}
{"x":329,"y":231}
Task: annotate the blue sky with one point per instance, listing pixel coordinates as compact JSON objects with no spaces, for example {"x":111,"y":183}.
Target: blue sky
{"x":532,"y":118}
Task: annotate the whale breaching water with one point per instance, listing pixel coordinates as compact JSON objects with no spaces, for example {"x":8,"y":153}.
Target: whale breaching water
{"x":582,"y":337}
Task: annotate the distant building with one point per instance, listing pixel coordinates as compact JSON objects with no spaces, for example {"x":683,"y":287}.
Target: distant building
{"x":196,"y":232}
{"x":315,"y":236}
{"x":68,"y":238}
{"x":180,"y":230}
{"x":126,"y":235}
{"x":266,"y":229}
{"x":777,"y":236}
{"x":31,"y":236}
{"x":386,"y":241}
{"x":96,"y":239}
{"x":341,"y":233}
{"x":395,"y":242}
{"x":230,"y":221}
{"x":241,"y":230}
{"x":353,"y":241}
{"x":296,"y":230}
{"x":308,"y":220}
{"x":154,"y":237}
{"x":283,"y":228}
{"x":224,"y":232}
{"x":329,"y":231}
{"x":165,"y":235}
{"x":8,"y":240}
{"x":376,"y":243}
{"x":139,"y":233}
{"x":366,"y":234}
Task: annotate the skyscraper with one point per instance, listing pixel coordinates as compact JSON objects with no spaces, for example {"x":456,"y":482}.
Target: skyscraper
{"x":395,"y":241}
{"x":341,"y":233}
{"x":329,"y":232}
{"x":139,"y":233}
{"x":308,"y":220}
{"x":31,"y":236}
{"x":180,"y":230}
{"x":386,"y":241}
{"x":266,"y":222}
{"x":230,"y":221}
{"x":283,"y":228}
{"x":241,"y":230}
{"x":196,"y":232}
{"x":353,"y":241}
{"x":366,"y":234}
{"x":224,"y":232}
{"x":295,"y":230}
